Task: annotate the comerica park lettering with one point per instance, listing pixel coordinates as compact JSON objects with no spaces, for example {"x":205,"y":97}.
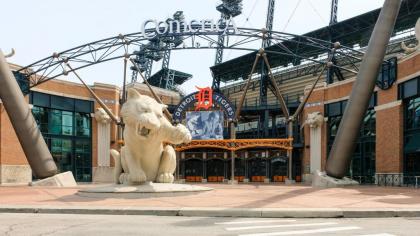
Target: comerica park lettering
{"x":151,"y":28}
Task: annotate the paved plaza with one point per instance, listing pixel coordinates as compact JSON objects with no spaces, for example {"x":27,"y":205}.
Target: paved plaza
{"x":224,"y":196}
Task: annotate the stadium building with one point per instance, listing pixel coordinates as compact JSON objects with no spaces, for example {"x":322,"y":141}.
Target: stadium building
{"x":388,"y":149}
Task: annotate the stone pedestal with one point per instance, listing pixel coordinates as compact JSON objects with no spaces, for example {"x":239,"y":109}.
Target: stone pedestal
{"x":143,"y":191}
{"x":103,"y":174}
{"x":179,"y":181}
{"x":321,"y":179}
{"x":266,"y":180}
{"x":65,"y":179}
{"x":203,"y":180}
{"x":289,"y":181}
{"x":307,"y":178}
{"x":15,"y":174}
{"x":232,"y":182}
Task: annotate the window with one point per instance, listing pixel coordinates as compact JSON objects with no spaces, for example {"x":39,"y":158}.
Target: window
{"x":387,"y":74}
{"x":411,"y":137}
{"x":41,"y":118}
{"x":83,"y":161}
{"x":55,"y":121}
{"x":363,"y":161}
{"x":62,"y":103}
{"x":83,"y":106}
{"x":409,"y":88}
{"x":83,"y":124}
{"x":334,"y":109}
{"x":61,"y":150}
{"x":41,"y":99}
{"x":22,"y":81}
{"x":65,"y":124}
{"x":412,"y":120}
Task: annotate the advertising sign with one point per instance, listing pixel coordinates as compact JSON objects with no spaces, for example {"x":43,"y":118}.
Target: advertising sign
{"x":205,"y":99}
{"x":205,"y":125}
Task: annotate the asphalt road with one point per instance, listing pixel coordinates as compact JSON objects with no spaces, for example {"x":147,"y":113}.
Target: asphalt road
{"x":60,"y":224}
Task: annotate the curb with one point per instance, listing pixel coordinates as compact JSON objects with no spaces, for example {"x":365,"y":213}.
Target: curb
{"x":220,"y":212}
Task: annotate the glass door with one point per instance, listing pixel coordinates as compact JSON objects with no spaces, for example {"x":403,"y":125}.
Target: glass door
{"x":83,"y":161}
{"x":62,"y":152}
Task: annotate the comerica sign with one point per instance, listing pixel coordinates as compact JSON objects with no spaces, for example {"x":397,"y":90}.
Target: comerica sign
{"x":151,"y":28}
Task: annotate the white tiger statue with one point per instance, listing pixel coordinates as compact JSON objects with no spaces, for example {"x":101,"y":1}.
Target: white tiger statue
{"x":144,"y":156}
{"x":413,"y":47}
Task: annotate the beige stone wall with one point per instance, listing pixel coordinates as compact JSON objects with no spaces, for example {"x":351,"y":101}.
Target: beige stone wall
{"x":15,"y":174}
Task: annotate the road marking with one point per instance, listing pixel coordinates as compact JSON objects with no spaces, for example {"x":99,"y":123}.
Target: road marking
{"x":378,"y":234}
{"x":311,"y":231}
{"x":252,"y":222}
{"x":280,"y":226}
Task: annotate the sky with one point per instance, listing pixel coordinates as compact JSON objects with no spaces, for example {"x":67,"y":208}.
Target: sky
{"x":36,"y":29}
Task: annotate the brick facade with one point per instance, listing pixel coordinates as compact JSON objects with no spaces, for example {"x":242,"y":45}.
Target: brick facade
{"x":389,"y":117}
{"x":11,"y":153}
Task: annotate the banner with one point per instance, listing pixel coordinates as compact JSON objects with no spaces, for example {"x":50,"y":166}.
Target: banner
{"x":205,"y":125}
{"x":205,"y":101}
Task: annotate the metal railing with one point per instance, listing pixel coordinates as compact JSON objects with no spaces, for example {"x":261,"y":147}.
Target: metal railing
{"x":389,"y":180}
{"x":364,"y":179}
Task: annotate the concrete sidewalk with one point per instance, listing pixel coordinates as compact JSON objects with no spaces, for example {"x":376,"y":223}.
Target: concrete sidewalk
{"x":243,"y":200}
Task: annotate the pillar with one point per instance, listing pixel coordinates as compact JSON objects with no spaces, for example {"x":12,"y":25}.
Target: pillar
{"x":315,"y":121}
{"x":246,"y":178}
{"x":103,"y":172}
{"x":204,"y":180}
{"x":183,"y":165}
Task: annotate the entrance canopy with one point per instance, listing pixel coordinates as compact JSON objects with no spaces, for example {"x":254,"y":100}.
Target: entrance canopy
{"x":237,"y":144}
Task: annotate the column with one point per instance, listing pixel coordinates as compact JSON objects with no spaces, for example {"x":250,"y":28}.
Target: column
{"x":246,"y":178}
{"x":273,"y":126}
{"x":267,"y":168}
{"x":178,"y":156}
{"x":315,"y":121}
{"x":225,"y":165}
{"x":266,"y":121}
{"x":103,"y":172}
{"x":204,"y":180}
{"x":183,"y":167}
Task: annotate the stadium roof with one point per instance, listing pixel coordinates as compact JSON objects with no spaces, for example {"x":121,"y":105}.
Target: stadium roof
{"x":356,"y":30}
{"x":179,"y":77}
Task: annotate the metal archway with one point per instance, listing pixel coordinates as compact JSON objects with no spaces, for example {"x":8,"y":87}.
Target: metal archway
{"x":123,"y":46}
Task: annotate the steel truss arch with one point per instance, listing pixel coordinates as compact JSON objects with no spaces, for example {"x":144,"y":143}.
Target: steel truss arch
{"x":123,"y":46}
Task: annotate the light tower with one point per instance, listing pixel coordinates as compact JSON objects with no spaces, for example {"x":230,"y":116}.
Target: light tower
{"x":157,"y":49}
{"x":228,"y":9}
{"x":167,"y":78}
{"x":333,"y":20}
{"x":264,"y":80}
